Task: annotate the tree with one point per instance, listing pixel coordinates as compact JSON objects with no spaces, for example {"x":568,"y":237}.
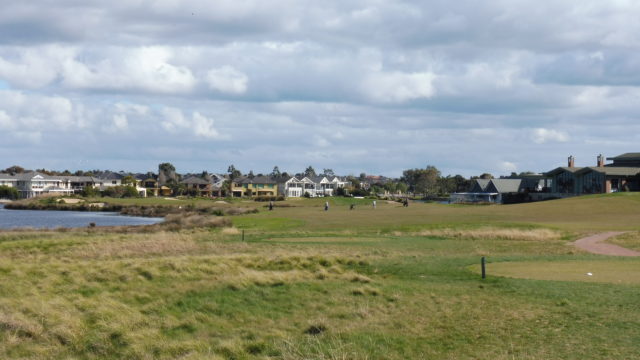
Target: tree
{"x":401,"y":187}
{"x":166,"y":173}
{"x":362,"y":177}
{"x":486,"y":176}
{"x":422,"y":181}
{"x":233,"y":172}
{"x":275,"y":173}
{"x":310,"y":172}
{"x":15,"y":169}
{"x":129,"y":180}
{"x":328,"y":172}
{"x":250,"y":175}
{"x":8,"y":192}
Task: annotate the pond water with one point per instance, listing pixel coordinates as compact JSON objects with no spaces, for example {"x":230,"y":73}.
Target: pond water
{"x":45,"y":219}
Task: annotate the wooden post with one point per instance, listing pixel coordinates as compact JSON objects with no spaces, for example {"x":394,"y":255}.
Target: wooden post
{"x":243,"y":240}
{"x":484,"y":272}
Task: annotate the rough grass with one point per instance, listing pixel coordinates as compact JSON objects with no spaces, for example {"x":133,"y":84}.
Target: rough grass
{"x":490,"y":233}
{"x":390,"y":283}
{"x":630,"y":240}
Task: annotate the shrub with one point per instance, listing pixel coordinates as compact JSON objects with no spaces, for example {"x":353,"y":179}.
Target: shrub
{"x":7,"y":192}
{"x":90,"y":191}
{"x":121,"y":192}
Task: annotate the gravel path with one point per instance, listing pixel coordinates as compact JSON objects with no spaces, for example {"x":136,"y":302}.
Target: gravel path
{"x":593,"y":245}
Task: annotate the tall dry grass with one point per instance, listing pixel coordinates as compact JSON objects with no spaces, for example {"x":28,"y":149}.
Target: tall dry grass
{"x":490,"y":233}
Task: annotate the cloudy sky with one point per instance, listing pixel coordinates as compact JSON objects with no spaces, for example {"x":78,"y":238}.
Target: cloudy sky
{"x":358,"y":86}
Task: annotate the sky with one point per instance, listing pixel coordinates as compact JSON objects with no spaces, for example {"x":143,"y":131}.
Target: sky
{"x":373,"y":86}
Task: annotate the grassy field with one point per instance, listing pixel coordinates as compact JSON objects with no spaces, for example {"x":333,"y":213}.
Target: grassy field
{"x":384,"y":283}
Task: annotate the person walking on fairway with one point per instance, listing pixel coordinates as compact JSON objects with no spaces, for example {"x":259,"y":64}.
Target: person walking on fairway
{"x":326,"y":206}
{"x":374,"y":204}
{"x":270,"y":205}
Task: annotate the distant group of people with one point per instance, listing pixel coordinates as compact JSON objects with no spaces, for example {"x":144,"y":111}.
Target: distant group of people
{"x":405,"y":203}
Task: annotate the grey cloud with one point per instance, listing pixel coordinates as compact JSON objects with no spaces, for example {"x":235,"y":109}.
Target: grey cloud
{"x":353,"y":85}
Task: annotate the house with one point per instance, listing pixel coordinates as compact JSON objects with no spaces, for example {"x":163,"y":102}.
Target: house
{"x":313,"y":186}
{"x":150,"y":183}
{"x":596,"y":180}
{"x":625,"y":160}
{"x":108,"y":179}
{"x":564,"y":180}
{"x":293,"y":187}
{"x":621,"y":175}
{"x":202,"y":186}
{"x":8,"y":180}
{"x":254,"y":186}
{"x":32,"y":184}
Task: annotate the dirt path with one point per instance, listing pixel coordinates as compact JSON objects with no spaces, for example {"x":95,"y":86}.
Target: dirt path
{"x":593,"y":245}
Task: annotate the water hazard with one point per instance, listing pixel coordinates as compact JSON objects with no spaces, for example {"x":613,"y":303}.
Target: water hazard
{"x":45,"y":219}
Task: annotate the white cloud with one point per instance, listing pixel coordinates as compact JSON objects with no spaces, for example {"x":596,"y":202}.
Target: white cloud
{"x":542,"y":135}
{"x":174,"y":120}
{"x":33,"y":68}
{"x":199,"y":125}
{"x":508,"y":167}
{"x":320,"y":141}
{"x":120,"y":122}
{"x":228,"y":80}
{"x":203,"y":126}
{"x":38,"y":112}
{"x":398,"y":87}
{"x":5,"y":121}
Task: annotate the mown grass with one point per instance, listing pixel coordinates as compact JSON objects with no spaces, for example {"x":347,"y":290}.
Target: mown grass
{"x":389,"y":283}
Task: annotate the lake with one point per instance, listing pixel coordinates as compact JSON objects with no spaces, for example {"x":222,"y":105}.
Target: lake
{"x":46,"y":219}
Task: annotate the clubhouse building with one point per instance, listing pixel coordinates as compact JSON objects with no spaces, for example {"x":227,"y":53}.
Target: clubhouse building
{"x":621,"y":173}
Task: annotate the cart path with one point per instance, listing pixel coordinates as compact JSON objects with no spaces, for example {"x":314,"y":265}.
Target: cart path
{"x":594,"y":245}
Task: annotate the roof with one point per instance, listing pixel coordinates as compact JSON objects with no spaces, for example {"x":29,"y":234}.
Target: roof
{"x":563,"y":169}
{"x":195,"y":180}
{"x":482,"y":183}
{"x":148,"y":176}
{"x":30,"y":175}
{"x":613,"y":171}
{"x":257,"y":180}
{"x":316,"y":179}
{"x":110,"y":175}
{"x":626,"y":156}
{"x":504,"y":185}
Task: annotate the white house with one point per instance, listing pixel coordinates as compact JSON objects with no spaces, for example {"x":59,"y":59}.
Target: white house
{"x":295,"y":187}
{"x":33,"y":184}
{"x":314,"y":186}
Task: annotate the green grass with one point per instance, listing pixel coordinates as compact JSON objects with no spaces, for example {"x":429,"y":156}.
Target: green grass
{"x":389,"y":283}
{"x":620,"y":271}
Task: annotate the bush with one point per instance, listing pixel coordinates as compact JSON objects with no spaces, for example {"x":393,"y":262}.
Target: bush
{"x":7,"y":192}
{"x":121,"y":192}
{"x":90,"y":191}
